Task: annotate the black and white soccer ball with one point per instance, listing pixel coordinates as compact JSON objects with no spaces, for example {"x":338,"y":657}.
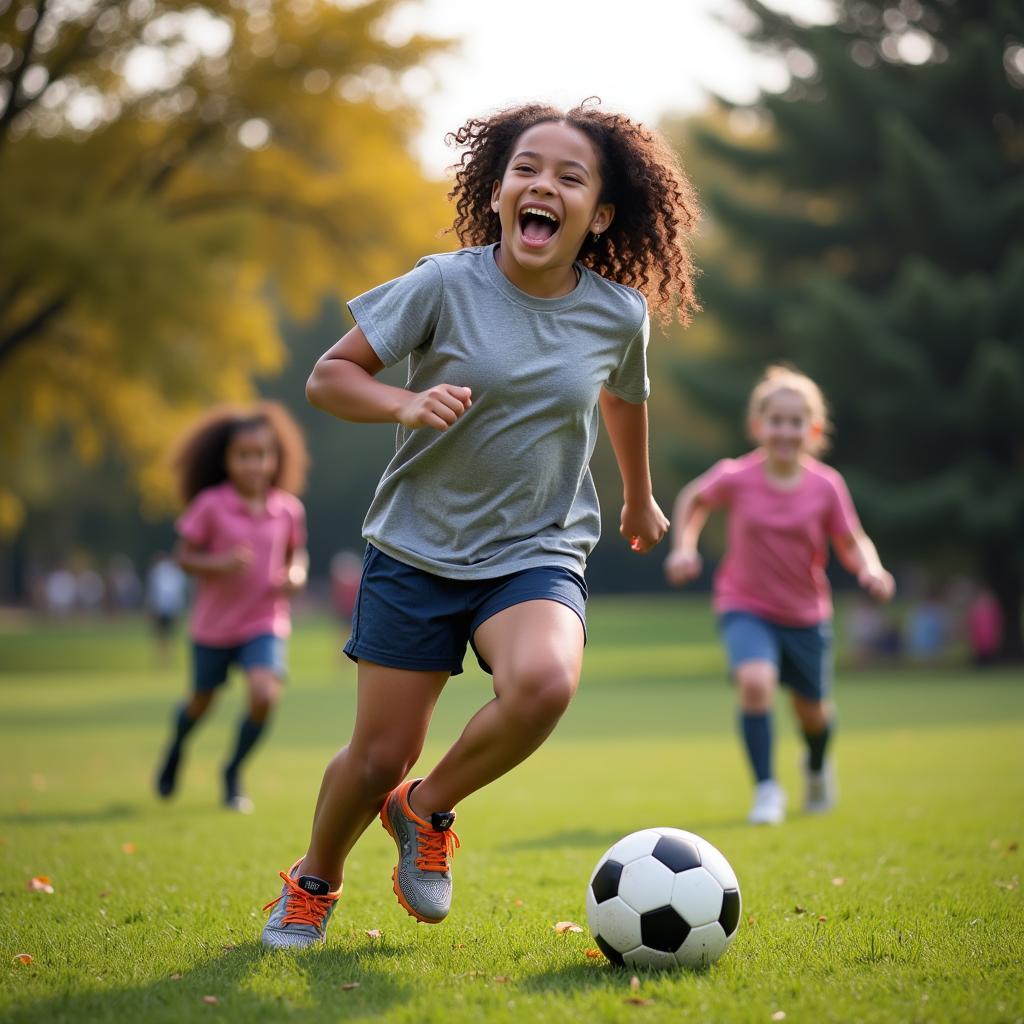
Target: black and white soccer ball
{"x":663,"y":897}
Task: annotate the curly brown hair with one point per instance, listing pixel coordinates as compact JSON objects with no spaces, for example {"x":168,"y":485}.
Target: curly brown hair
{"x":199,"y":460}
{"x":656,"y":209}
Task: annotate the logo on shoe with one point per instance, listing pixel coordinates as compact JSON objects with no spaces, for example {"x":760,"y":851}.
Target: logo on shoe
{"x":442,"y":821}
{"x":314,"y":885}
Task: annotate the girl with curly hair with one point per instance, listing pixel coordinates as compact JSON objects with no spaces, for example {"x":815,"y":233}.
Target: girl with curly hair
{"x":771,"y":593}
{"x":481,"y":525}
{"x":243,"y":536}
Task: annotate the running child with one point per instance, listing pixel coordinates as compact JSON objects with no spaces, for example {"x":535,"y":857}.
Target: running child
{"x":771,"y":594}
{"x":243,"y":536}
{"x":481,"y":525}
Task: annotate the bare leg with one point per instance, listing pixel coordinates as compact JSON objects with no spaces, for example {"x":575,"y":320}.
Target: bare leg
{"x":814,"y":716}
{"x":757,"y":680}
{"x":392,"y":715}
{"x":535,"y":650}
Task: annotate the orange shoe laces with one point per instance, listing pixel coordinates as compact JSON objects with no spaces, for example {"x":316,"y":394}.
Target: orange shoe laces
{"x":303,"y":907}
{"x":436,"y":849}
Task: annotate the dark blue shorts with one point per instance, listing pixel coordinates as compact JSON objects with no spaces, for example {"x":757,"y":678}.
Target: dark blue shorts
{"x":803,"y":654}
{"x":407,"y":618}
{"x":210,"y":664}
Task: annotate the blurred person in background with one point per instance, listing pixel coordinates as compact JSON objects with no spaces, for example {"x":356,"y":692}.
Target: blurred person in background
{"x":166,"y":596}
{"x":771,"y":593}
{"x":243,"y":537}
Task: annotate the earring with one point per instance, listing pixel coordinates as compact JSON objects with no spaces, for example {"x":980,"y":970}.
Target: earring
{"x":596,"y":236}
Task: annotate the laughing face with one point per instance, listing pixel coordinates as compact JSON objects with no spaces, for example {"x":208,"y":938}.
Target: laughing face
{"x":547,"y":201}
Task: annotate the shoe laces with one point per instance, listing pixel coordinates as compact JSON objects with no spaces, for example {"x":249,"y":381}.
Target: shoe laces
{"x":435,"y":849}
{"x":303,"y":907}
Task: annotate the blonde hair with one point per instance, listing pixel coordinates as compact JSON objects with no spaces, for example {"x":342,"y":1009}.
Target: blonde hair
{"x":787,"y":378}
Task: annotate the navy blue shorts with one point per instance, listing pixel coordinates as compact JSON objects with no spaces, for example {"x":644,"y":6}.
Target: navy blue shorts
{"x":210,"y":664}
{"x":803,"y":654}
{"x":407,"y":618}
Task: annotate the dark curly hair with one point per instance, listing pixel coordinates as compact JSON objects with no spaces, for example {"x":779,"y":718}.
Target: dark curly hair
{"x":647,"y":243}
{"x":199,"y":460}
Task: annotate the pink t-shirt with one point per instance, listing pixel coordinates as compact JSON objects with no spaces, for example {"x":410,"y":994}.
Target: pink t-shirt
{"x":237,"y":607}
{"x":777,"y":540}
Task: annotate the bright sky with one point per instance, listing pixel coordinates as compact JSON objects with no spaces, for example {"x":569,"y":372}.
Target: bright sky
{"x":642,"y":57}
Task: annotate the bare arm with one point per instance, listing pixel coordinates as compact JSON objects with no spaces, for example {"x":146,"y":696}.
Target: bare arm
{"x":641,"y":517}
{"x":343,"y":383}
{"x":857,"y":552}
{"x":197,"y":562}
{"x":689,"y":514}
{"x":296,"y":572}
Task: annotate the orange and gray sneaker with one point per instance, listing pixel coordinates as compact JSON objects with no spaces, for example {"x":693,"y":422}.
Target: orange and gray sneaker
{"x":423,"y":875}
{"x":300,"y":914}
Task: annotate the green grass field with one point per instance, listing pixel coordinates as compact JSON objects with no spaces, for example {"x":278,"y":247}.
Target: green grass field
{"x":903,"y":905}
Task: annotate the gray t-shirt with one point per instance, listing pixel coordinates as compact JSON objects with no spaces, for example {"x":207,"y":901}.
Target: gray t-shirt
{"x":507,"y":487}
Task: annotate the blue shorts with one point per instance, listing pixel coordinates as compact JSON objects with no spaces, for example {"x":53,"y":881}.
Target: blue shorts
{"x":407,"y":618}
{"x":210,"y":664}
{"x":803,"y":654}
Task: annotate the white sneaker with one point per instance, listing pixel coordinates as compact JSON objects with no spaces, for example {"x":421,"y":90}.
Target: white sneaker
{"x":819,"y":789}
{"x":769,"y":804}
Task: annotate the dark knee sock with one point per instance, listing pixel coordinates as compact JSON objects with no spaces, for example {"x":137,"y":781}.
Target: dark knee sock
{"x":817,"y":744}
{"x":183,"y":725}
{"x":249,"y":733}
{"x":757,"y":738}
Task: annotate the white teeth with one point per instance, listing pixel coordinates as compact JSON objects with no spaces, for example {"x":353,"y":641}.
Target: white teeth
{"x":537,"y":212}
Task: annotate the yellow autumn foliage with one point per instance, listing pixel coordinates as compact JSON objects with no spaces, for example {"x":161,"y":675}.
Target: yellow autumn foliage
{"x":150,"y":238}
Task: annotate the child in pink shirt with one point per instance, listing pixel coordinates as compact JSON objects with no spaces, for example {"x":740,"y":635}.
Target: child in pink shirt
{"x":770,"y":592}
{"x":243,"y":535}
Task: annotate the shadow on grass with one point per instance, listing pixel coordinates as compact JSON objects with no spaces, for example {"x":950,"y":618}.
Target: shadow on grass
{"x":606,"y":837}
{"x":112,"y":812}
{"x":247,"y":983}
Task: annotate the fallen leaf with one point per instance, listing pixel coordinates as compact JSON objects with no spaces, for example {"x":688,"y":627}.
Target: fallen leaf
{"x":593,"y":954}
{"x":638,"y":1001}
{"x":461,"y":945}
{"x":211,"y":1000}
{"x":373,"y":933}
{"x":175,"y":977}
{"x":799,"y":910}
{"x":567,"y":926}
{"x":836,"y":881}
{"x":501,"y":979}
{"x":128,"y":848}
{"x":634,"y":984}
{"x":40,"y":883}
{"x":1012,"y":847}
{"x":751,"y":919}
{"x":22,"y":958}
{"x":822,"y":918}
{"x":349,"y":985}
{"x":519,"y":903}
{"x":779,"y":1015}
{"x":104,"y":894}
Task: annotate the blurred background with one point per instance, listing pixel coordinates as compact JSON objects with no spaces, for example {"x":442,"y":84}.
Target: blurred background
{"x":190,"y":192}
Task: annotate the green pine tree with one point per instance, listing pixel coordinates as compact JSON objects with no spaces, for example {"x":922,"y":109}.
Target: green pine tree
{"x":875,"y":238}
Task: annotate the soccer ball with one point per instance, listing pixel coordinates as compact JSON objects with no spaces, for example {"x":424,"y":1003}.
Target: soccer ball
{"x":663,"y":897}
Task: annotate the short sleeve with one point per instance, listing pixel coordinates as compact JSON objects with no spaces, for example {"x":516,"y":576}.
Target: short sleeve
{"x":195,"y":524}
{"x":629,"y":380}
{"x":716,"y":486}
{"x":400,"y":315}
{"x":842,"y":520}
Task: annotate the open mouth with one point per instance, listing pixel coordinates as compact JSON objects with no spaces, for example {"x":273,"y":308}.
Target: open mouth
{"x":537,"y":225}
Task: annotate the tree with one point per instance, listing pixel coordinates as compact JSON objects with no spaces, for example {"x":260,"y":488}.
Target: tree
{"x":172,"y":174}
{"x":884,"y":256}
